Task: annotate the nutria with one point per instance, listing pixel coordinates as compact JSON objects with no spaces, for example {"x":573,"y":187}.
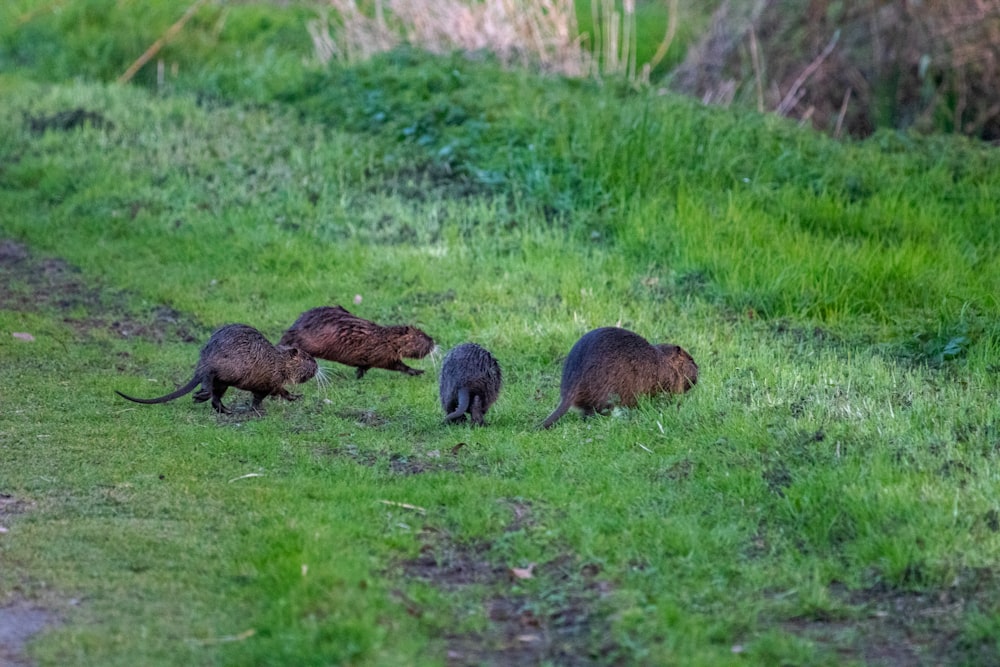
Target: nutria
{"x":237,"y":355}
{"x":610,"y":362}
{"x":470,"y":383}
{"x":332,"y":333}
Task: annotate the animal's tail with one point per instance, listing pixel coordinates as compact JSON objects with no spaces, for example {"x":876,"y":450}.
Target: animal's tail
{"x":463,"y":406}
{"x":180,"y":391}
{"x":559,"y":412}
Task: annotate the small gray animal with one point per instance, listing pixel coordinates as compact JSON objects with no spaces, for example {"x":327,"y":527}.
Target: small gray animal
{"x":470,"y":383}
{"x":237,"y":355}
{"x":332,"y":333}
{"x":610,"y":362}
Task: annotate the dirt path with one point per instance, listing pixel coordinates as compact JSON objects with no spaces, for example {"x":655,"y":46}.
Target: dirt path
{"x":19,"y":622}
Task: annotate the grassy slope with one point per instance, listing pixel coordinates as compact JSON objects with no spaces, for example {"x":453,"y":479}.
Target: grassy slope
{"x":805,"y":276}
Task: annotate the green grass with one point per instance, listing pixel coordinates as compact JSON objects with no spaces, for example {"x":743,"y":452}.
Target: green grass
{"x":836,"y":463}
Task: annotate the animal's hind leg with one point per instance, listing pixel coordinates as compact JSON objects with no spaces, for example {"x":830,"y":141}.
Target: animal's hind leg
{"x":605,"y":408}
{"x":598,"y":409}
{"x":627,"y":399}
{"x":476,"y":410}
{"x":218,"y":390}
{"x":207,"y":389}
{"x":258,"y":398}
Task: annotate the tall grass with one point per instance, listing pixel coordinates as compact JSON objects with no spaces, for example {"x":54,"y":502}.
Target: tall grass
{"x":855,"y":68}
{"x":541,"y":33}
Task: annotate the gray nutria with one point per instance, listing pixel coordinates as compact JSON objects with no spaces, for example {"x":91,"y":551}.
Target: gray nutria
{"x":332,"y":333}
{"x":470,"y":383}
{"x":237,"y":355}
{"x":610,"y":362}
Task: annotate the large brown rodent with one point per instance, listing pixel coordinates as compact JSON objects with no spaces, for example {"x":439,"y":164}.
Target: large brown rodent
{"x":237,"y":355}
{"x":332,"y":333}
{"x":610,"y":362}
{"x":470,"y":383}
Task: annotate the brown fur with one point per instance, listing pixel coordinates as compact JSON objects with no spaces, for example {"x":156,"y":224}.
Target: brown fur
{"x":470,"y":383}
{"x":611,"y":362}
{"x":237,"y":355}
{"x":332,"y":333}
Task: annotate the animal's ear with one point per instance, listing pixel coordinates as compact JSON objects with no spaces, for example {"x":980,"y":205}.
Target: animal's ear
{"x":294,"y":351}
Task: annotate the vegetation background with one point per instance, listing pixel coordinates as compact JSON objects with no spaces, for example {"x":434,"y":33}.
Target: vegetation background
{"x":825,"y":495}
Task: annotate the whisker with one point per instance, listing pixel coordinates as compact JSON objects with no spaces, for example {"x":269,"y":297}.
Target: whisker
{"x":322,"y":378}
{"x":435,"y":355}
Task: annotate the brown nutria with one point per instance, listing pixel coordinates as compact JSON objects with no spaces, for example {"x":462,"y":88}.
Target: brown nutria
{"x":237,"y":355}
{"x":332,"y":333}
{"x":470,"y":383}
{"x":610,"y":362}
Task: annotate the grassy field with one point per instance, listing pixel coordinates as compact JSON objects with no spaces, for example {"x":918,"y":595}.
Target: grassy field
{"x":825,"y":495}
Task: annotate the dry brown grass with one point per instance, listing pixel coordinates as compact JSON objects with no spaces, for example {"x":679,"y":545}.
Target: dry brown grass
{"x":855,"y":66}
{"x":539,"y":33}
{"x":963,"y":61}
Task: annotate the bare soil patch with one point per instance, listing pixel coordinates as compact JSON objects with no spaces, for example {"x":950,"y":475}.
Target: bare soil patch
{"x":401,"y":464}
{"x":38,"y":284}
{"x":535,"y":614}
{"x":897,"y":627}
{"x":70,"y":119}
{"x":19,"y":622}
{"x":364,"y":417}
{"x":11,"y":505}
